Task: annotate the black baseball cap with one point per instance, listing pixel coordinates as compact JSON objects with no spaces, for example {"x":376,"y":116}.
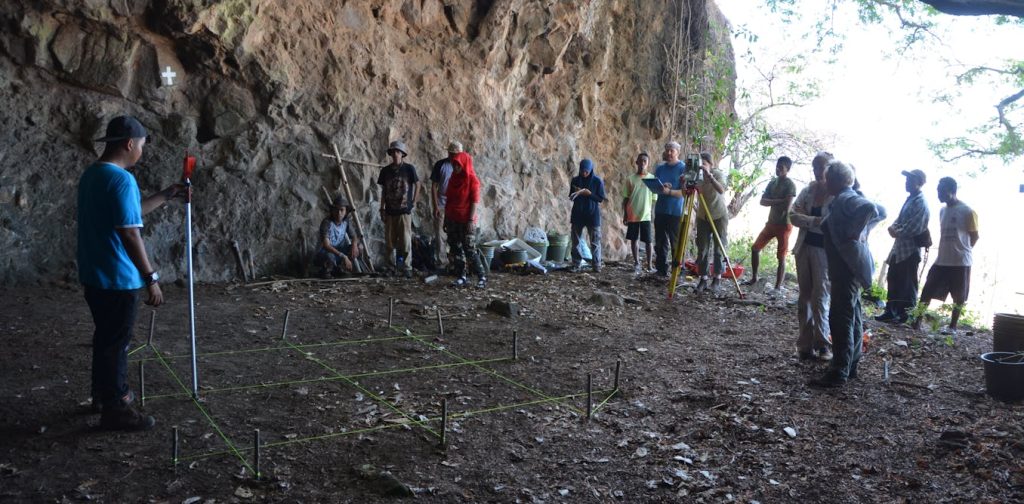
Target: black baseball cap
{"x":122,"y":128}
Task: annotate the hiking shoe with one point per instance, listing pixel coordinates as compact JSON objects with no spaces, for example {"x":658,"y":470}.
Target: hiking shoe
{"x":824,"y":354}
{"x":482,"y":283}
{"x":597,"y":268}
{"x":805,"y":356}
{"x":575,"y":268}
{"x":748,"y":281}
{"x":885,"y":317}
{"x":408,"y":274}
{"x":828,"y":380}
{"x":715,"y":284}
{"x":459,"y":282}
{"x":702,"y":285}
{"x":637,"y":270}
{"x":125,"y":418}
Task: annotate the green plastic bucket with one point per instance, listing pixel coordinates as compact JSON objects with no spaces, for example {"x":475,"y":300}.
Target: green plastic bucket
{"x":558,"y":247}
{"x":540,"y":247}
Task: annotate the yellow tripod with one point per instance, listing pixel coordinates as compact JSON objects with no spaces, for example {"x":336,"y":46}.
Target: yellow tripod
{"x":691,"y":193}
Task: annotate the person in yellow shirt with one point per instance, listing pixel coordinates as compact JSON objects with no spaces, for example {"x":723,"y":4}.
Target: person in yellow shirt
{"x":637,"y":202}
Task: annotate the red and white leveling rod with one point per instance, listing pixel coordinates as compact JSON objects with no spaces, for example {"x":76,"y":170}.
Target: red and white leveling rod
{"x":186,"y":178}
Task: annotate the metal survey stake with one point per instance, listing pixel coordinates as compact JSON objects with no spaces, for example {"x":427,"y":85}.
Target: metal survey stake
{"x":142,"y":384}
{"x":618,"y":365}
{"x":444,"y":423}
{"x":391,"y":310}
{"x":256,"y":453}
{"x":188,"y":166}
{"x":515,"y":344}
{"x":590,"y":396}
{"x":174,"y":446}
{"x":440,"y":323}
{"x":885,"y":371}
{"x":284,"y":328}
{"x":152,"y":326}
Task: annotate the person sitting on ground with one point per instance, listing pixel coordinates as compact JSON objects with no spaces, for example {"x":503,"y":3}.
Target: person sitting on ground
{"x":905,"y":256}
{"x":809,"y":209}
{"x":399,"y":188}
{"x":463,"y":195}
{"x":439,"y":176}
{"x":779,"y":196}
{"x":712,"y":190}
{"x":850,"y":269}
{"x":339,"y":246}
{"x":951,"y":273}
{"x":587,"y":193}
{"x":637,"y":201}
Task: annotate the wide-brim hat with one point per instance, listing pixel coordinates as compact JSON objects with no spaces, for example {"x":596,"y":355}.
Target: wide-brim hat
{"x":399,"y":146}
{"x":340,"y":202}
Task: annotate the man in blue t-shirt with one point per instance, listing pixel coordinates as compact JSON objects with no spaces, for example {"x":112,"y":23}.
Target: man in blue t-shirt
{"x":113,"y":266}
{"x":668,"y":210}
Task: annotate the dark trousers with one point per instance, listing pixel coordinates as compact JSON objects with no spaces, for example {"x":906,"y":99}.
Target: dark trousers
{"x":666,"y":230}
{"x":113,"y":313}
{"x":844,"y":319}
{"x":461,"y":250}
{"x":902,"y":284}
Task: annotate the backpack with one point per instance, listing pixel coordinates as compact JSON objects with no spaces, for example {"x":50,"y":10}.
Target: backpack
{"x":423,"y":253}
{"x":923,"y":239}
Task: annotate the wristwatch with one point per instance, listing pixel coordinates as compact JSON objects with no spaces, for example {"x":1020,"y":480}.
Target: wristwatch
{"x":151,"y":278}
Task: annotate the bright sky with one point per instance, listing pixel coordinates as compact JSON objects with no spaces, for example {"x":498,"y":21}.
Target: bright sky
{"x":880,"y":108}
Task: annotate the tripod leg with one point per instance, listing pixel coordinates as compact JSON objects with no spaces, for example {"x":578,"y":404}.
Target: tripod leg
{"x":718,"y":240}
{"x":679,"y":251}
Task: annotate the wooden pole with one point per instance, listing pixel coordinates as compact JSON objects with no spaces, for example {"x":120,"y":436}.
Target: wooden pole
{"x":348,"y":194}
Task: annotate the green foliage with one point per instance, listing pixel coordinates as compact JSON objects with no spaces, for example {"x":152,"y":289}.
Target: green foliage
{"x":914,"y":23}
{"x":875,"y":293}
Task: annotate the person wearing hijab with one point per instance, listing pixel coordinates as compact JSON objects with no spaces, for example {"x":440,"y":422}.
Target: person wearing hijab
{"x":587,"y":193}
{"x":463,"y":194}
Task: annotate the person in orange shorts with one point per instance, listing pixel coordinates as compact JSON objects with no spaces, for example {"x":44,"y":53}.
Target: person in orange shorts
{"x":779,"y":196}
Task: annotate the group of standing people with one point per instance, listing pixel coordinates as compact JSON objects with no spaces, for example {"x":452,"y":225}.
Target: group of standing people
{"x":455,"y":193}
{"x":834,"y":264}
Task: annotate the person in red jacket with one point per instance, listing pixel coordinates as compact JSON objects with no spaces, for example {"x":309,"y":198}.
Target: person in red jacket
{"x":463,"y":194}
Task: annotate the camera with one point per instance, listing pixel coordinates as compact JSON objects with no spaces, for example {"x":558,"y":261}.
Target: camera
{"x":693,"y":174}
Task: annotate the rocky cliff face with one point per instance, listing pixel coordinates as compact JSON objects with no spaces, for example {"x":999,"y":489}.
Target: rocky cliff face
{"x":263,"y":87}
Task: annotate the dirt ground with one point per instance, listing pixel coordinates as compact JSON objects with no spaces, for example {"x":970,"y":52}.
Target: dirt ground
{"x":712,"y":403}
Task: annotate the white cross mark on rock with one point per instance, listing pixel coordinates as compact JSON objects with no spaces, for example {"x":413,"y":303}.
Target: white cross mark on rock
{"x":169,"y":75}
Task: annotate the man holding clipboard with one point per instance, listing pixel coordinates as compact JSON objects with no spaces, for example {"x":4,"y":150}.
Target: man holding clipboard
{"x":668,"y":210}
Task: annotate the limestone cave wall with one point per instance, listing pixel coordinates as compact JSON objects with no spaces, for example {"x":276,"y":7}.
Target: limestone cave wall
{"x":264,"y":87}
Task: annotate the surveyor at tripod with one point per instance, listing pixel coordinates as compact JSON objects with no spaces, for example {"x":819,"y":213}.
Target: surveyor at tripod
{"x":113,"y":265}
{"x":586,"y":191}
{"x":668,"y":210}
{"x":440,"y":174}
{"x":910,"y":231}
{"x":339,"y":245}
{"x":712,"y":201}
{"x":779,"y":196}
{"x":400,"y":187}
{"x":809,"y":210}
{"x":460,"y":220}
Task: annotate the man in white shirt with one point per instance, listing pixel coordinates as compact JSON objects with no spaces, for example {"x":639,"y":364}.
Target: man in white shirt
{"x":951,"y":273}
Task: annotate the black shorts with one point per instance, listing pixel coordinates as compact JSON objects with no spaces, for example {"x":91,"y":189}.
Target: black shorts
{"x":952,"y":281}
{"x":639,"y":230}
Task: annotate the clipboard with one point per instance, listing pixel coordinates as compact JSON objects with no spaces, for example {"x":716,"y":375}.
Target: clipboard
{"x":653,"y":184}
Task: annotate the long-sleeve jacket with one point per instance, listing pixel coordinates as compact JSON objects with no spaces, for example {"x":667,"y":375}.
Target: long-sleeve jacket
{"x":851,"y":217}
{"x":586,"y":210}
{"x":912,"y":221}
